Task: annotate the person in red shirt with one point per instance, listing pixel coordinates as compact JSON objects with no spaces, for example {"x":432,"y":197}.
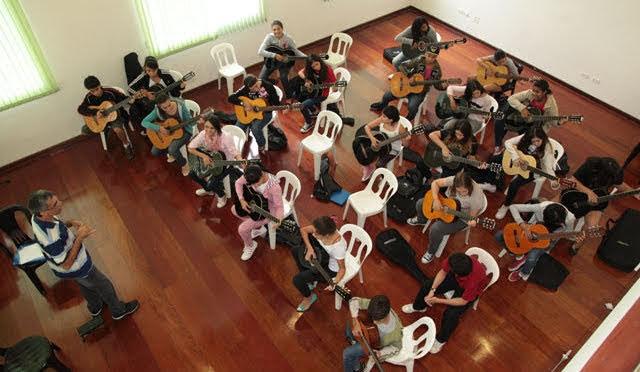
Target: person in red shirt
{"x":460,"y":273}
{"x":315,"y":72}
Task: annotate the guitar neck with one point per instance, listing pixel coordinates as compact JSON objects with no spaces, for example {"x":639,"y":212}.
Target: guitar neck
{"x":551,"y":236}
{"x":427,"y":82}
{"x":339,"y":290}
{"x":469,"y":110}
{"x":459,"y":214}
{"x":542,"y":173}
{"x":264,"y":213}
{"x":548,"y":117}
{"x":460,"y":159}
{"x":218,"y":163}
{"x":606,"y":198}
{"x":274,"y":108}
{"x":394,"y":138}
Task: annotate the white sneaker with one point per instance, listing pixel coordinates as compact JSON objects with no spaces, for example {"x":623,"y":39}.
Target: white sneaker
{"x":502,"y":211}
{"x":170,"y":158}
{"x":488,"y":187}
{"x":185,"y":170}
{"x":247,"y":252}
{"x":261,"y":232}
{"x":408,"y":309}
{"x":415,"y":221}
{"x":222,"y":201}
{"x":437,"y":346}
{"x":426,"y":258}
{"x":203,"y":192}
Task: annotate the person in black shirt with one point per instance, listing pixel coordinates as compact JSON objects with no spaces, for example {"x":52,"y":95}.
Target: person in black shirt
{"x":458,"y":138}
{"x":97,"y":95}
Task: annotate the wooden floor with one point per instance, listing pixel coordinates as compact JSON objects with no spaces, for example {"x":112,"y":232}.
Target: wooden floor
{"x":203,"y":309}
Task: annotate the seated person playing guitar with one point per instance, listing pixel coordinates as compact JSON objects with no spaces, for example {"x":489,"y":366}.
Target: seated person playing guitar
{"x":265,"y":185}
{"x":457,"y":140}
{"x":316,"y":71}
{"x":499,"y":58}
{"x":467,"y":193}
{"x":152,"y":76}
{"x":274,"y":61}
{"x":534,"y":142}
{"x":463,"y":274}
{"x":389,"y":124}
{"x":428,"y":66}
{"x":476,"y":96}
{"x":212,"y":138}
{"x":170,"y":108}
{"x":554,"y":216}
{"x":388,"y":326}
{"x":327,"y":236}
{"x":255,"y":88}
{"x":539,"y":97}
{"x":418,"y":31}
{"x":96,"y":96}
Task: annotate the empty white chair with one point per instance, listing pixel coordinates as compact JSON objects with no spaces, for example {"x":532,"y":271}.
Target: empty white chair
{"x":338,"y":49}
{"x":336,"y":94}
{"x":422,"y":109}
{"x":194,"y":109}
{"x":321,"y":140}
{"x":354,"y":258}
{"x":290,"y":192}
{"x":489,"y":263}
{"x":368,"y":202}
{"x":415,"y":347}
{"x":224,"y":56}
{"x":239,"y":138}
{"x":483,"y":127}
{"x":408,"y":126}
{"x":466,"y":229}
{"x":274,"y":119}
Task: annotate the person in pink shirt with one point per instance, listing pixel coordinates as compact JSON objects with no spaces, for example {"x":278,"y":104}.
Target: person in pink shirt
{"x":267,"y":185}
{"x":211,"y":139}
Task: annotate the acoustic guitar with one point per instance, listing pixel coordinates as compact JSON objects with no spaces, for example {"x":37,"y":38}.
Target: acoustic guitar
{"x":259,"y":209}
{"x":498,"y":75}
{"x":433,"y":158}
{"x":517,"y":242}
{"x":108,"y":113}
{"x":366,"y":154}
{"x":289,"y":56}
{"x":578,"y":202}
{"x":314,"y":90}
{"x":421,"y":46}
{"x":511,"y":167}
{"x":188,"y":76}
{"x":451,"y":210}
{"x":444,"y":110}
{"x":217,"y":165}
{"x":401,"y":85}
{"x":175,"y":129}
{"x":515,"y":122}
{"x":246,"y":116}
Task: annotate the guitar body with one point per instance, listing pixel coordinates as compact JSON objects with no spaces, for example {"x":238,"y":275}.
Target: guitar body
{"x":516,"y":123}
{"x":427,"y":208}
{"x":162,"y":141}
{"x":196,"y":164}
{"x":578,"y":202}
{"x":400,"y":84}
{"x":517,"y":242}
{"x":370,"y":332}
{"x":510,"y":167}
{"x":96,"y":124}
{"x":250,"y":195}
{"x":245,"y":116}
{"x":499,"y":75}
{"x":443,"y":107}
{"x":272,"y":62}
{"x":321,"y":254}
{"x":365,"y":154}
{"x":433,"y":156}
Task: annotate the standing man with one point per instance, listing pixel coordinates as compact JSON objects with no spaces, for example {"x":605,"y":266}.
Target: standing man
{"x":68,"y":257}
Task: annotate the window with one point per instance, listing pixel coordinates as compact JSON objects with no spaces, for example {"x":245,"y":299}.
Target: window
{"x":171,"y":26}
{"x":24,"y":75}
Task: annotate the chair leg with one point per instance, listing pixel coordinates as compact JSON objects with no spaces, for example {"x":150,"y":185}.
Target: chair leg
{"x":265,"y":133}
{"x":475,"y":303}
{"x":346,"y":209}
{"x":409,"y":365}
{"x":299,"y":154}
{"x":361,"y":219}
{"x":316,"y":166}
{"x":229,"y":86}
{"x":537,"y":188}
{"x":360,"y":275}
{"x":104,"y":140}
{"x":502,"y":253}
{"x":466,"y":236}
{"x":442,"y":245}
{"x":338,"y":301}
{"x":33,"y":276}
{"x":335,"y":154}
{"x":384,"y":216}
{"x":272,"y":236}
{"x":426,"y":226}
{"x":295,"y":215}
{"x":219,"y":78}
{"x":482,"y":135}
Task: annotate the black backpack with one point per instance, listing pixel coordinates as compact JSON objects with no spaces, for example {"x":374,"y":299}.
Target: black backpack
{"x":276,"y":137}
{"x":411,"y":187}
{"x":548,"y":272}
{"x":132,"y":66}
{"x":325,"y":185}
{"x":620,"y":246}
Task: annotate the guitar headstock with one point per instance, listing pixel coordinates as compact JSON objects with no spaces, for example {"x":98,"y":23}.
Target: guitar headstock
{"x":495,"y":167}
{"x":340,"y":83}
{"x":575,"y":118}
{"x":487,"y":223}
{"x":294,"y":106}
{"x":595,"y":232}
{"x":190,"y":75}
{"x":453,"y":81}
{"x":498,"y":115}
{"x":323,"y":56}
{"x":345,"y":293}
{"x":207,"y":113}
{"x":565,"y":182}
{"x":289,"y":225}
{"x":418,"y":129}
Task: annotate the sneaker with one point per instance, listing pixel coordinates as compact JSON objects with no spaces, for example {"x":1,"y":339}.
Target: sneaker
{"x":437,"y":346}
{"x":170,"y":158}
{"x":129,"y":308}
{"x":573,"y":250}
{"x":488,"y":187}
{"x":203,"y":192}
{"x":306,"y":127}
{"x":408,"y":309}
{"x":261,"y":232}
{"x":143,"y":133}
{"x":415,"y":221}
{"x":514,"y":276}
{"x":128,"y":152}
{"x":426,"y":258}
{"x":185,"y":170}
{"x":96,"y":313}
{"x":312,"y":286}
{"x":247,"y":252}
{"x":517,"y":264}
{"x":376,"y":106}
{"x":222,"y":201}
{"x":502,"y":211}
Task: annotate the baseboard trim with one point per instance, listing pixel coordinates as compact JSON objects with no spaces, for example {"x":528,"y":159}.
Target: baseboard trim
{"x":22,"y":162}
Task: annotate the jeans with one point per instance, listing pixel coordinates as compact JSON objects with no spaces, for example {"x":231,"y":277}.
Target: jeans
{"x":256,"y":127}
{"x":452,"y":314}
{"x":532,"y":257}
{"x":438,"y":229}
{"x":514,"y":186}
{"x":214,"y":183}
{"x":351,"y":354}
{"x":174,"y":149}
{"x":305,"y":277}
{"x":97,"y":289}
{"x":284,"y":75}
{"x":415,"y":99}
{"x":397,"y":60}
{"x":308,"y":107}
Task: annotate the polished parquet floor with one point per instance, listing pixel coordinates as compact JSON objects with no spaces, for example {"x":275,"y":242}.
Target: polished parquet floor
{"x":202,"y":309}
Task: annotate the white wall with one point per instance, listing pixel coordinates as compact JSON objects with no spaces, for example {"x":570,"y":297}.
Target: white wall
{"x":564,"y":38}
{"x":80,"y":37}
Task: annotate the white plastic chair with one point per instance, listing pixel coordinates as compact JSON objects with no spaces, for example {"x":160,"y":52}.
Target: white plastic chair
{"x":194,"y":109}
{"x":422,"y":108}
{"x":319,"y":142}
{"x":103,"y":137}
{"x":336,"y":94}
{"x":290,"y":192}
{"x":408,"y":126}
{"x":239,"y":138}
{"x":489,"y":263}
{"x":483,"y":127}
{"x":354,"y":259}
{"x":368,"y":202}
{"x":413,"y":347}
{"x":274,"y":119}
{"x":338,"y":49}
{"x":224,"y":56}
{"x":176,"y":75}
{"x":467,"y":229}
